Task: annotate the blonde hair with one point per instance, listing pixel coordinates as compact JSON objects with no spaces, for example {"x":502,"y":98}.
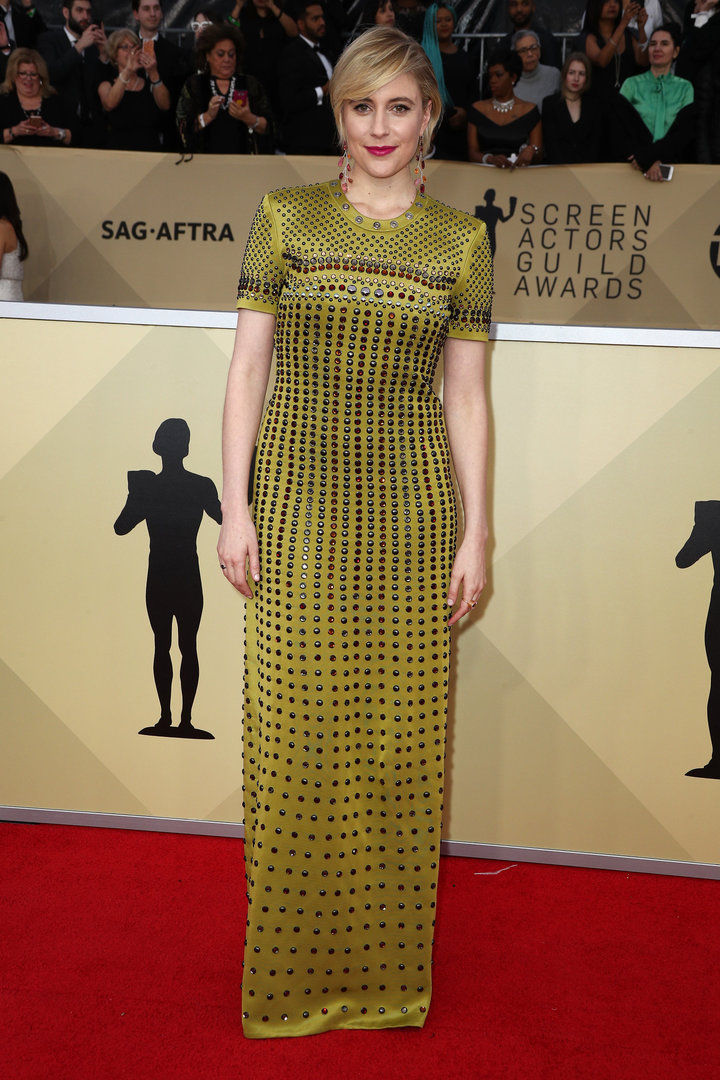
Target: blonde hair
{"x":115,"y":41}
{"x":374,"y":59}
{"x":27,"y":56}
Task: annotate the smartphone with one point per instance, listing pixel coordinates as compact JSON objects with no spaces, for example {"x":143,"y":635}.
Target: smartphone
{"x":35,"y":121}
{"x":666,"y":171}
{"x":241,"y":96}
{"x":148,"y":47}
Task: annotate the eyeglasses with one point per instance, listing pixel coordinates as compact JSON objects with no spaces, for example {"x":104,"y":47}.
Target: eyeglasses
{"x":527,"y":49}
{"x":28,"y":75}
{"x":195,"y":26}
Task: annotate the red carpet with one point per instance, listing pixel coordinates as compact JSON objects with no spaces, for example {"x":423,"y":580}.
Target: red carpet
{"x":121,"y":958}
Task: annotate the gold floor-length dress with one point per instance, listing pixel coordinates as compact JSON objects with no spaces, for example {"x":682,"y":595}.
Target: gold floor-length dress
{"x":347,"y":639}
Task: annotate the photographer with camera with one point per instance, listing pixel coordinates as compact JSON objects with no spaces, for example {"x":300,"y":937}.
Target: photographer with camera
{"x":172,"y":63}
{"x":31,"y":113}
{"x":222,"y":110}
{"x":133,"y":96}
{"x":74,"y":54}
{"x":660,"y":115}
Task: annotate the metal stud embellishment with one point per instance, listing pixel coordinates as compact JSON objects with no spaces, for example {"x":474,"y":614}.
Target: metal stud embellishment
{"x":347,"y":648}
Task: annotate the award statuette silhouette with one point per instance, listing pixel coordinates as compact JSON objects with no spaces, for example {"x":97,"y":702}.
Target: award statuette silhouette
{"x":492,"y":214}
{"x":705,"y":538}
{"x":172,"y":503}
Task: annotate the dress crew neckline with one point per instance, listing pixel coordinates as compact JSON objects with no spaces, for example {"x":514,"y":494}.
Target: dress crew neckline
{"x":376,"y":225}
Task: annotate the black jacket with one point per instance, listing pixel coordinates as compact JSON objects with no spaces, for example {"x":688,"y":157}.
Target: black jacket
{"x":75,"y":78}
{"x":569,"y":143}
{"x":699,"y":61}
{"x":173,"y":69}
{"x":307,"y":128}
{"x":27,"y":27}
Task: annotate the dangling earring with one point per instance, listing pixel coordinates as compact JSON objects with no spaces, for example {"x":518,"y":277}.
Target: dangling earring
{"x":344,"y":167}
{"x":419,"y":170}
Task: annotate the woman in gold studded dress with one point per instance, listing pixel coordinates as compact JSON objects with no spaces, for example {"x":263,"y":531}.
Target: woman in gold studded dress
{"x":349,"y":566}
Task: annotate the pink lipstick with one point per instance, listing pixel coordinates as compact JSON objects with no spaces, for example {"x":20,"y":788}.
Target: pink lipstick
{"x":380,"y":151}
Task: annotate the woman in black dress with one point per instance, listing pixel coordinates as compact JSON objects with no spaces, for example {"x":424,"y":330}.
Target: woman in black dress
{"x":503,"y":130}
{"x":612,"y":50}
{"x":221,"y":110}
{"x":699,"y":62}
{"x":135,"y":99}
{"x":455,"y":80}
{"x":266,"y":30}
{"x":572,"y":119}
{"x":31,"y":112}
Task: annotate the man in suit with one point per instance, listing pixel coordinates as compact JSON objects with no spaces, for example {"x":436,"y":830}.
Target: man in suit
{"x":521,"y":14}
{"x":5,"y":49}
{"x":73,"y":55}
{"x":172,"y":63}
{"x":23,"y":24}
{"x":304,"y":87}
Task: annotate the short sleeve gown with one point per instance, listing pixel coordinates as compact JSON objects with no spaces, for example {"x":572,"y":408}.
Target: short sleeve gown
{"x":346,"y":676}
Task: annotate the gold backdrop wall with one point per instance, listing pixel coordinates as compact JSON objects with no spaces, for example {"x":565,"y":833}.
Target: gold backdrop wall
{"x":579,"y":688}
{"x":585,"y":245}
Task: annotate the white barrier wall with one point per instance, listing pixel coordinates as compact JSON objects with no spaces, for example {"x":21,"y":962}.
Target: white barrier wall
{"x":579,"y":686}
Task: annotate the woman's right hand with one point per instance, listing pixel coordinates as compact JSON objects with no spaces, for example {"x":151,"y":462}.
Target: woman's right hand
{"x":26,"y":128}
{"x":238,"y":552}
{"x":213,"y":108}
{"x":132,"y":63}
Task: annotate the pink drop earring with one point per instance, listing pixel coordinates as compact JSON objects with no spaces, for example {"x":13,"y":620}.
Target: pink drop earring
{"x":344,"y":167}
{"x":419,"y":170}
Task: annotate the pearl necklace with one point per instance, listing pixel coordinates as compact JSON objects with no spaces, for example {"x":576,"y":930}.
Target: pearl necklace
{"x":216,"y":93}
{"x":503,"y":106}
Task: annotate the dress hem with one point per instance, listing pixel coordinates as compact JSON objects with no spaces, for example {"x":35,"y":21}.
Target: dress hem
{"x":371,"y":1025}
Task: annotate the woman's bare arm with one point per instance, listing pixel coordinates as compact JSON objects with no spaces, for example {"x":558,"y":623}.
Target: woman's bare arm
{"x":246,"y":386}
{"x":465,"y":409}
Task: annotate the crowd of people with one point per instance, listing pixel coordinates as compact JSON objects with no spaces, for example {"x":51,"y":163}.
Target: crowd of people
{"x":632,"y":87}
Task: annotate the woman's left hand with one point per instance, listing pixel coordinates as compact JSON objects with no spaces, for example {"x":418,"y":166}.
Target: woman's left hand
{"x":467,"y":578}
{"x":500,"y":161}
{"x":149,"y":62}
{"x":240,"y":110}
{"x":653,"y":172}
{"x":630,"y":12}
{"x":458,"y":119}
{"x":525,"y":157}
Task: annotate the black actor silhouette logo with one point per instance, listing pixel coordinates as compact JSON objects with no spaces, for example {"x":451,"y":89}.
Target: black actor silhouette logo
{"x":172,"y":503}
{"x":715,"y":251}
{"x":492,"y":214}
{"x":705,"y":538}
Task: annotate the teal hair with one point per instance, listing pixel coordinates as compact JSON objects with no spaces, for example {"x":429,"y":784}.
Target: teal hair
{"x":432,"y":48}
